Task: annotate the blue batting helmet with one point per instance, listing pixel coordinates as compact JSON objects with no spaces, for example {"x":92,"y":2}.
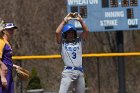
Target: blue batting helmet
{"x":68,"y":27}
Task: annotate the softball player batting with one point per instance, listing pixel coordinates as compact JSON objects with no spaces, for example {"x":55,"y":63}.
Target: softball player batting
{"x":6,"y":64}
{"x":71,"y":53}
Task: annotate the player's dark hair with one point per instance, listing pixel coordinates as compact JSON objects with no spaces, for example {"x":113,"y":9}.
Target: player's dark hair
{"x":65,"y":34}
{"x":1,"y":34}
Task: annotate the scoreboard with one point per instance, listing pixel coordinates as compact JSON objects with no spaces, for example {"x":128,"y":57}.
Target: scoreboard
{"x":107,"y":15}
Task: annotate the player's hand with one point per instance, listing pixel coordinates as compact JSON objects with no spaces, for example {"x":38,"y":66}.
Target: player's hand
{"x":4,"y":69}
{"x":16,"y":66}
{"x":68,"y":17}
{"x":3,"y":81}
{"x":79,"y":18}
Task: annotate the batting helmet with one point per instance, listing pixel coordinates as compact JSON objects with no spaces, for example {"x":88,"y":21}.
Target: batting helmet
{"x":68,"y":27}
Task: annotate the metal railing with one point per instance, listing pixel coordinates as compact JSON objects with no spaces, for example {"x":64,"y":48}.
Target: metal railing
{"x":84,"y":55}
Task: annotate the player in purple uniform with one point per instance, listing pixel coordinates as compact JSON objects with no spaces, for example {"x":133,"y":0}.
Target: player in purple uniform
{"x":71,"y":53}
{"x":6,"y":64}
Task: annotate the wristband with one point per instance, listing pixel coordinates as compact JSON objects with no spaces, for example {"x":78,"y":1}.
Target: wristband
{"x":65,"y":20}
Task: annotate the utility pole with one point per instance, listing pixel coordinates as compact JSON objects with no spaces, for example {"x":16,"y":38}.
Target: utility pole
{"x":120,"y":60}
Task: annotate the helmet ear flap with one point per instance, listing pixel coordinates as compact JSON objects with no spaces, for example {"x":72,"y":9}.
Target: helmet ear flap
{"x":75,"y":34}
{"x":64,"y":35}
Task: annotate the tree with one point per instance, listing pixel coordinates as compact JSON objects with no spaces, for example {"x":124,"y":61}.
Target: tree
{"x":34,"y":82}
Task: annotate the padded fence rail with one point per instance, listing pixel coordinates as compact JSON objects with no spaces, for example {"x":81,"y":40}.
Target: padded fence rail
{"x":84,"y":55}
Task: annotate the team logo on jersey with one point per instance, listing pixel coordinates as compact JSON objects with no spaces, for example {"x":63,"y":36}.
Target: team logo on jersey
{"x":70,"y":48}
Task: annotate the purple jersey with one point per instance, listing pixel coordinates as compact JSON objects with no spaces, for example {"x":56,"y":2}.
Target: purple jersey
{"x":6,"y":58}
{"x":6,"y":53}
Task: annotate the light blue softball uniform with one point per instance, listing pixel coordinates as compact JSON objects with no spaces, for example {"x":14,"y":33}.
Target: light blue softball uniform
{"x":71,"y":54}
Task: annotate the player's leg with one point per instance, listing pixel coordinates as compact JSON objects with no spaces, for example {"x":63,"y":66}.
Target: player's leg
{"x":80,"y":84}
{"x":10,"y":85}
{"x":65,"y":83}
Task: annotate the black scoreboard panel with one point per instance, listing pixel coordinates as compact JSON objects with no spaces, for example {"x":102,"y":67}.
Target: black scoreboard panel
{"x":105,"y":3}
{"x":114,"y":3}
{"x":107,"y":15}
{"x":83,"y":11}
{"x":74,"y":9}
{"x":125,"y":3}
{"x":133,"y":2}
{"x":130,"y":13}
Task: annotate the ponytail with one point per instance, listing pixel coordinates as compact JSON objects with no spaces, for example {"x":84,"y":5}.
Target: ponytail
{"x":1,"y":34}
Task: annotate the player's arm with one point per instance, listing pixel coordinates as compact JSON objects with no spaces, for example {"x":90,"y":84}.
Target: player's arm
{"x":58,"y":32}
{"x":85,"y":32}
{"x":3,"y":67}
{"x":59,"y":28}
{"x":3,"y":73}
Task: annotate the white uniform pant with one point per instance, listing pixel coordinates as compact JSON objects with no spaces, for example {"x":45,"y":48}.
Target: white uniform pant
{"x":72,"y":76}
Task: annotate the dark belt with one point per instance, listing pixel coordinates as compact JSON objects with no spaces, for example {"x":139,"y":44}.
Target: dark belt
{"x":75,"y":68}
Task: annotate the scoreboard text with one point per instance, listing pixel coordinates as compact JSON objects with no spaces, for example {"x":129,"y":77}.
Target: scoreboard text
{"x":107,"y":15}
